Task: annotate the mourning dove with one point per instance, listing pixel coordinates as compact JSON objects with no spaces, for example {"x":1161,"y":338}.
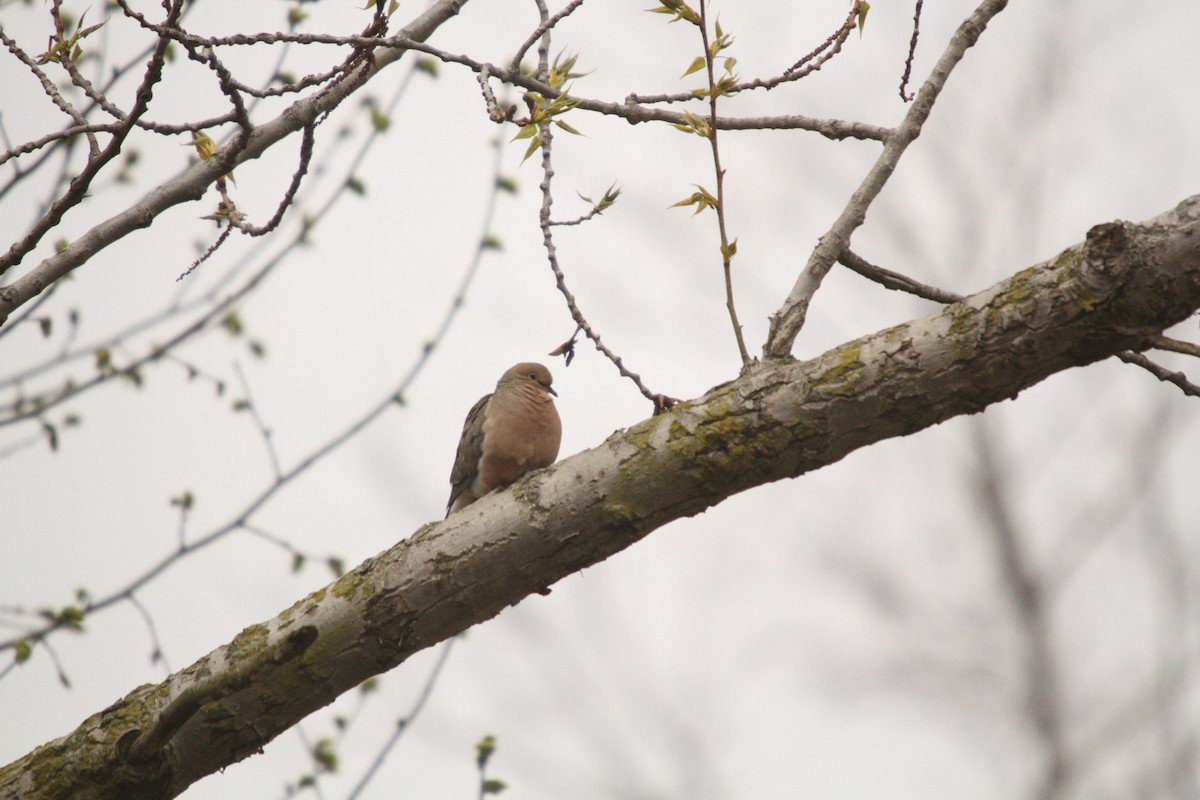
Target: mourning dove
{"x":509,"y":432}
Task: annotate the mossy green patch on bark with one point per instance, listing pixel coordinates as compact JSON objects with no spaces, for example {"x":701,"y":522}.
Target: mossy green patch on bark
{"x":349,"y":585}
{"x":247,"y":644}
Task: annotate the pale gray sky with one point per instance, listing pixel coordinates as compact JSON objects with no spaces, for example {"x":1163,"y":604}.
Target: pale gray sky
{"x":842,"y":635}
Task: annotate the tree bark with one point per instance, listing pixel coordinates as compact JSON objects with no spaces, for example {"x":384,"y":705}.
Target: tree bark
{"x":781,"y":418}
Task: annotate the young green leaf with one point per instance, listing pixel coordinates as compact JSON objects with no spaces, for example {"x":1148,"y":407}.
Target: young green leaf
{"x":696,"y":65}
{"x":533,"y":147}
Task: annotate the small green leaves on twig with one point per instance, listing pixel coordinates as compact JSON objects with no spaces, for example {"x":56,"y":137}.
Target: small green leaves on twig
{"x":562,"y":70}
{"x":379,"y":118}
{"x":232,"y":323}
{"x":226,"y":212}
{"x":103,"y":359}
{"x":206,"y":148}
{"x":184,"y":501}
{"x":697,"y":64}
{"x":863,"y":8}
{"x":701,"y":199}
{"x":62,"y":48}
{"x":729,"y":251}
{"x":374,"y":4}
{"x":484,"y":750}
{"x":721,"y":86}
{"x":324,"y":754}
{"x":427,"y":65}
{"x":610,"y":197}
{"x":541,"y":113}
{"x":483,"y":753}
{"x":679,"y":9}
{"x":69,"y":617}
{"x":693,"y":124}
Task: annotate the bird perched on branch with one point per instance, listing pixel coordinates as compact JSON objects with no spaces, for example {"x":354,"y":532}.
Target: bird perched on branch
{"x":509,"y":432}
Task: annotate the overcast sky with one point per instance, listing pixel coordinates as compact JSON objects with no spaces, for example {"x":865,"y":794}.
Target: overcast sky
{"x":841,"y":635}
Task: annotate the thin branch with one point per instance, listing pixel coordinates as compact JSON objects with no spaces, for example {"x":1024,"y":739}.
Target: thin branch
{"x":194,"y":180}
{"x":156,"y":655}
{"x":241,"y":520}
{"x":808,"y":64}
{"x":116,"y":75}
{"x":896,"y":280}
{"x":404,"y":723}
{"x":79,"y":184}
{"x":598,"y":208}
{"x":546,"y":25}
{"x":789,"y":319}
{"x":74,"y":389}
{"x":495,"y":112}
{"x":50,"y":89}
{"x":263,"y":431}
{"x":727,"y":249}
{"x":1162,"y":373}
{"x":905,"y":95}
{"x":660,"y":401}
{"x":630,"y":109}
{"x":306,"y":151}
{"x":57,"y":136}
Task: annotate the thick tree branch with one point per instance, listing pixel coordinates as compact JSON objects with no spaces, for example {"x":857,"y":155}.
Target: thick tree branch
{"x":1117,"y":290}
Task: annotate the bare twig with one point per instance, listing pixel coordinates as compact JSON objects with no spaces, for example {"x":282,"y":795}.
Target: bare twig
{"x":263,"y":431}
{"x":905,"y":95}
{"x":807,"y":65}
{"x":51,"y":90}
{"x":896,"y":280}
{"x":1162,"y":373}
{"x":825,"y":51}
{"x":495,"y":112}
{"x":660,"y":401}
{"x":306,"y":151}
{"x":156,"y":654}
{"x":544,"y":27}
{"x":208,"y":251}
{"x":55,"y":137}
{"x":405,"y":722}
